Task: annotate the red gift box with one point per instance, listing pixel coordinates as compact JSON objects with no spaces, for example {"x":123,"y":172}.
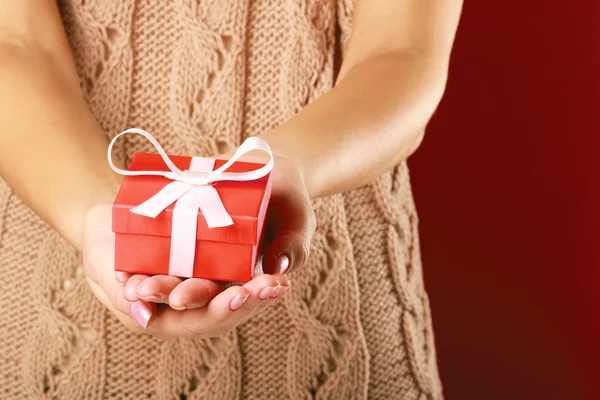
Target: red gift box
{"x":228,"y":253}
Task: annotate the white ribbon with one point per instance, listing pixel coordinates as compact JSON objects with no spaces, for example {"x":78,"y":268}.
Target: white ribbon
{"x":191,"y":190}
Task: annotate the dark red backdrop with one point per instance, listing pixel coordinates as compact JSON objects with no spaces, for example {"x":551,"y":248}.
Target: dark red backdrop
{"x":507,"y":186}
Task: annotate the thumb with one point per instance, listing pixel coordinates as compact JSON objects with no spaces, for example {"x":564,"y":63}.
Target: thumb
{"x":292,"y":222}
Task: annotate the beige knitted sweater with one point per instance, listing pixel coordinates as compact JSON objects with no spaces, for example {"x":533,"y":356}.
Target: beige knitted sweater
{"x":201,"y":76}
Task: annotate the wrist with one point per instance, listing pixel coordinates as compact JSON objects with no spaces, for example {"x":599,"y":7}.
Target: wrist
{"x":302,"y":169}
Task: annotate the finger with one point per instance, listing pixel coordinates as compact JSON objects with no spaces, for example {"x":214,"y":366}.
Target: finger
{"x":293,"y":229}
{"x":138,"y":310}
{"x":228,"y":309}
{"x":142,"y":312}
{"x":197,"y":322}
{"x":157,"y":288}
{"x":136,"y":318}
{"x":284,"y":285}
{"x":194,"y":293}
{"x":131,"y":286}
{"x":227,"y":316}
{"x":122,"y":277}
{"x":262,"y":287}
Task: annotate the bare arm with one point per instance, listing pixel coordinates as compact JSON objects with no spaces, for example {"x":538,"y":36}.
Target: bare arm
{"x":52,"y":151}
{"x":392,"y":79}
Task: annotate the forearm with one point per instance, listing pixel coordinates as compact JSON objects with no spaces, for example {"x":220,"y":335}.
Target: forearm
{"x":373,"y":119}
{"x":52,"y":151}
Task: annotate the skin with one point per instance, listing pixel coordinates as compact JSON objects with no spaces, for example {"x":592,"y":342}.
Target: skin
{"x":390,"y":83}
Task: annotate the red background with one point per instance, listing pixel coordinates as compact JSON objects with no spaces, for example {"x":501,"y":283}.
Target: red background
{"x":507,"y":185}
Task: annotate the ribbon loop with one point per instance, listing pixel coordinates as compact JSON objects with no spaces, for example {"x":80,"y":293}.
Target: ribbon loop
{"x":204,"y":177}
{"x":157,"y":146}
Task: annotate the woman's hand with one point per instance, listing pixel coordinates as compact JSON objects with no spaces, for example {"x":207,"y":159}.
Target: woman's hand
{"x":219,"y":311}
{"x":199,"y":307}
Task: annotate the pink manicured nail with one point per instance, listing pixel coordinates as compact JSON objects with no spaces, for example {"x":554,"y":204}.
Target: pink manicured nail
{"x":238,"y":301}
{"x":154,"y":299}
{"x":141,"y":313}
{"x":279,"y":291}
{"x":265,"y":293}
{"x":121,"y":277}
{"x":282,"y":263}
{"x":284,"y":281}
{"x":194,"y":305}
{"x":143,"y":292}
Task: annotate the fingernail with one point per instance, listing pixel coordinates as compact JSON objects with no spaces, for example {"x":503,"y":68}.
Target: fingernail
{"x":154,"y":299}
{"x":144,"y":290}
{"x":284,"y":281}
{"x":194,"y":305}
{"x":282,"y":263}
{"x":279,"y":291}
{"x":238,"y":301}
{"x":120,"y":278}
{"x":141,"y":313}
{"x":265,"y":293}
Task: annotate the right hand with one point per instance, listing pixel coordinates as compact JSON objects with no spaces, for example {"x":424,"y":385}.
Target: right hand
{"x":217,"y":310}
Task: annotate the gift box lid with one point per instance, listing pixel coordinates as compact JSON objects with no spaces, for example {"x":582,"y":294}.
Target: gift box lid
{"x":245,"y":201}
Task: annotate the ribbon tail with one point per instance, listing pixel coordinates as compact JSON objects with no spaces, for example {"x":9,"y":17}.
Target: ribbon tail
{"x":211,"y":206}
{"x":163,"y":199}
{"x":183,"y":236}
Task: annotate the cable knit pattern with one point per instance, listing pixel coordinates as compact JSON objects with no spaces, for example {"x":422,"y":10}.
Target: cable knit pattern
{"x":202,"y":75}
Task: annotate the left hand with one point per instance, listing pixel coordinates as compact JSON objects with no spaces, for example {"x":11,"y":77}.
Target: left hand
{"x":290,"y":225}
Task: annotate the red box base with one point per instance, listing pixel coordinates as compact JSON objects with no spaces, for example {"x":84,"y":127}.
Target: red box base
{"x":143,"y":254}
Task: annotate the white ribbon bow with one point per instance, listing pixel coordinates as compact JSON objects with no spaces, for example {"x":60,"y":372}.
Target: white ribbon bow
{"x":191,"y":190}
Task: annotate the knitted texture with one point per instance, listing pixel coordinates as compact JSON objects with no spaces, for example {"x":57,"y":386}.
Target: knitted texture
{"x":201,"y":76}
